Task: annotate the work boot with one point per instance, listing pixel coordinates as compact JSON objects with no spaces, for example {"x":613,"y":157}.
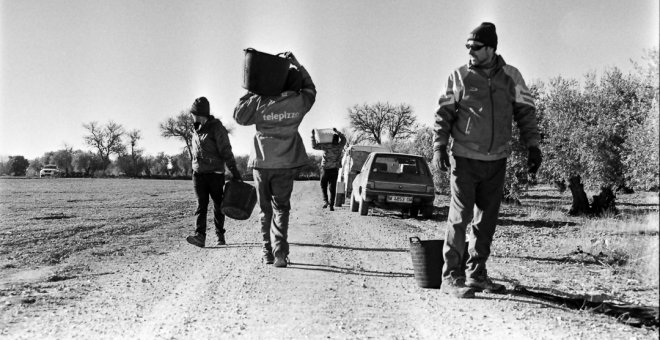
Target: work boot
{"x":325,"y":204}
{"x":332,"y":207}
{"x":267,"y":256}
{"x":485,"y":284}
{"x":197,"y":240}
{"x":221,"y":240}
{"x":456,"y":288}
{"x":281,"y":261}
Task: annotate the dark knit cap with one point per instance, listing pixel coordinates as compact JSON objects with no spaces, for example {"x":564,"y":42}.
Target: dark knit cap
{"x":200,"y":107}
{"x":485,"y":34}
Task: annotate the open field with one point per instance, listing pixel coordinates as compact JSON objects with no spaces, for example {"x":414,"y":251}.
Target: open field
{"x":107,"y":258}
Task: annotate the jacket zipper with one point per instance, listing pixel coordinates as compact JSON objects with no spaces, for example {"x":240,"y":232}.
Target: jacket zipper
{"x":492,"y":116}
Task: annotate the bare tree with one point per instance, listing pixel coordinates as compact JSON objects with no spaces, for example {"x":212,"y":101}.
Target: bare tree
{"x":133,"y":137}
{"x":377,"y":121}
{"x":401,"y":123}
{"x":105,"y":139}
{"x":180,"y":127}
{"x":369,"y":120}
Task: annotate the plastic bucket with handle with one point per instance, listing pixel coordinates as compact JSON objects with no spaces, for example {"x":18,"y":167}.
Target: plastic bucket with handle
{"x":427,"y":261}
{"x":239,"y":200}
{"x":265,"y":74}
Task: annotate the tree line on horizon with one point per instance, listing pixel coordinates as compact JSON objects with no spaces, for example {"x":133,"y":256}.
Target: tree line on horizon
{"x":601,"y":134}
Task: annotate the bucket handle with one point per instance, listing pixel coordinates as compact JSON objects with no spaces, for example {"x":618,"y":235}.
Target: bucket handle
{"x":415,"y":239}
{"x":250,"y":49}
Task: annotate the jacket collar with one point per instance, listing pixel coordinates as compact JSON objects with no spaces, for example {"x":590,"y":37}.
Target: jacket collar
{"x":497,"y":64}
{"x":210,"y":121}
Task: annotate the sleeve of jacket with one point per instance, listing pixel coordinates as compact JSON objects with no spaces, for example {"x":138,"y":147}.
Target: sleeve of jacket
{"x":318,"y":146}
{"x":315,"y":145}
{"x":524,"y":109}
{"x":308,"y":90}
{"x":246,"y":109}
{"x":224,"y":147}
{"x":446,"y":112}
{"x":342,"y":140}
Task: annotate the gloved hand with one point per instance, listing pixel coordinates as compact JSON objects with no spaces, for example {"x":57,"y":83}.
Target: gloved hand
{"x":236,"y":175}
{"x":534,"y":159}
{"x":441,"y":158}
{"x":313,"y":132}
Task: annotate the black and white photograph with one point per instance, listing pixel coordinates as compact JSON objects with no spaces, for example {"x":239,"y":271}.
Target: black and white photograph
{"x":313,"y":169}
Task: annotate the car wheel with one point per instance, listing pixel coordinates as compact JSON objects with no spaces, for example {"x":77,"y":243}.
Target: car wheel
{"x":364,"y":207}
{"x":427,"y":212}
{"x":354,"y":204}
{"x":414,"y":212}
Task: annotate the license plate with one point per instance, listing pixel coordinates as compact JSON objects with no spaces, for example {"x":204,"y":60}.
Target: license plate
{"x":399,"y":199}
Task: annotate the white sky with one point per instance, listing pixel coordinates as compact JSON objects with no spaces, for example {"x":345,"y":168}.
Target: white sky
{"x":139,"y":62}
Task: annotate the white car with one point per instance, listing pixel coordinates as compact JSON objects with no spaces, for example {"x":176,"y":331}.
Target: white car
{"x":49,"y":170}
{"x":354,"y":157}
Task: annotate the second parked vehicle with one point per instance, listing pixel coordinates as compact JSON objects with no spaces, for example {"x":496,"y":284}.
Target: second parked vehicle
{"x":394,"y":181}
{"x":49,"y":170}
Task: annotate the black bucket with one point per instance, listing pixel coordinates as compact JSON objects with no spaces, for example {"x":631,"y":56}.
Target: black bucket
{"x":239,"y":200}
{"x":265,"y":74}
{"x":427,"y":259}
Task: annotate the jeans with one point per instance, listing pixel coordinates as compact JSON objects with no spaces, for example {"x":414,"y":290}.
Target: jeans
{"x":476,"y":193}
{"x":274,"y":187}
{"x":329,"y":176}
{"x":209,"y":184}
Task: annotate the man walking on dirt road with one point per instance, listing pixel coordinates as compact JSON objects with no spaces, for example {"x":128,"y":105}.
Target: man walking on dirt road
{"x":478,"y":106}
{"x":278,"y":153}
{"x":211,"y":150}
{"x":330,"y":164}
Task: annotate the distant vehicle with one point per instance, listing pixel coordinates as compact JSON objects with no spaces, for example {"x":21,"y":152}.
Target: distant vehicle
{"x":49,"y":170}
{"x":354,"y":157}
{"x":394,"y":181}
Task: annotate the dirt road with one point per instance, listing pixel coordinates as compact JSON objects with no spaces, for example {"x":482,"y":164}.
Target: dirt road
{"x":351,"y":277}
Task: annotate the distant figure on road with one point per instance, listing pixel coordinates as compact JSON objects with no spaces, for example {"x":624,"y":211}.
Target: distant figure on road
{"x":278,"y":154}
{"x":211,"y":151}
{"x":478,"y":106}
{"x":330,"y":164}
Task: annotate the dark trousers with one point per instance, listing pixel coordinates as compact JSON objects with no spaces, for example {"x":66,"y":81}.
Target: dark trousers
{"x":329,"y":179}
{"x":476,"y":194}
{"x":206,"y":185}
{"x":274,"y":187}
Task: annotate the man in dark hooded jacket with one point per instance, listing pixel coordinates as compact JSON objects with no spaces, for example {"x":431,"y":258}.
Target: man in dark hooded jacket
{"x":211,"y":152}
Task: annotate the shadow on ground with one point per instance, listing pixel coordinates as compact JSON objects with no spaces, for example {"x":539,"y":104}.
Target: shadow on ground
{"x":346,"y":270}
{"x":535,"y":223}
{"x":332,"y":246}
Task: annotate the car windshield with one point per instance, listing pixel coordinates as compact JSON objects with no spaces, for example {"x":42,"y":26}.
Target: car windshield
{"x":50,"y":167}
{"x":398,"y":165}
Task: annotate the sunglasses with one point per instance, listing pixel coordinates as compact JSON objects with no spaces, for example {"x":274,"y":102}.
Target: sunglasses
{"x":474,"y":47}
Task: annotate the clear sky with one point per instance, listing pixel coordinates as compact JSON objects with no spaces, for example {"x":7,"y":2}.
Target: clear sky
{"x":139,"y":62}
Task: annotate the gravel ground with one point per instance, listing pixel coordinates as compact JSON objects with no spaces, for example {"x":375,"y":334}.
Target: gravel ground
{"x":351,"y":277}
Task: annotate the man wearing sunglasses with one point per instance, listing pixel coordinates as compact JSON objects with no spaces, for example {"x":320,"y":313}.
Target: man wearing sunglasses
{"x":477,"y":109}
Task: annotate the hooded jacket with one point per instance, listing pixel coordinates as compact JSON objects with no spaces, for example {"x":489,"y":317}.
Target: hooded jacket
{"x":277,"y":143}
{"x":211,"y":148}
{"x":332,"y":153}
{"x":477,"y":110}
